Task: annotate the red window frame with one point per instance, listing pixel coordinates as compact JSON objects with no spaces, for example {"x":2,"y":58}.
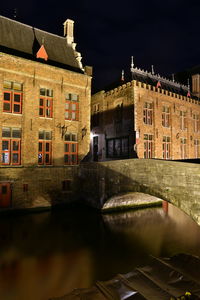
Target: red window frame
{"x":47,"y":110}
{"x":75,"y":111}
{"x":18,"y":103}
{"x":11,"y":151}
{"x":69,"y":153}
{"x":18,"y":151}
{"x":70,"y":110}
{"x":7,"y":101}
{"x":44,"y":152}
{"x":41,"y":107}
{"x":5,"y":151}
{"x":12,"y":102}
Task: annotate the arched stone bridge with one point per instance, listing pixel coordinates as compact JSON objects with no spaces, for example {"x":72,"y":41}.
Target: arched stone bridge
{"x":176,"y":182}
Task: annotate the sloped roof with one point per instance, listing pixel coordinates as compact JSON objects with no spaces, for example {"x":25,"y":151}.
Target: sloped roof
{"x":23,"y":40}
{"x":166,"y":84}
{"x":149,"y":78}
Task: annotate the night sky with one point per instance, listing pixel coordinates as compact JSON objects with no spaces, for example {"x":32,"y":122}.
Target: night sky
{"x":107,"y":32}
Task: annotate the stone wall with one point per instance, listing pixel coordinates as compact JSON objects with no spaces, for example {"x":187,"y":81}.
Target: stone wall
{"x":176,"y":182}
{"x":44,"y":188}
{"x":94,"y":183}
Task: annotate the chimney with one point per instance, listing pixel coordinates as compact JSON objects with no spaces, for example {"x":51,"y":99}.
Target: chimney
{"x":69,"y":30}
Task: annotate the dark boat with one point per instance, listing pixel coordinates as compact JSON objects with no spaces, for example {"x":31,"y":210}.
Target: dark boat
{"x":175,"y":278}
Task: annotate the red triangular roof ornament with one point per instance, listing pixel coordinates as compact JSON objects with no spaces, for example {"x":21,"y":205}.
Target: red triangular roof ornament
{"x":188,"y":93}
{"x":42,"y":53}
{"x":158,"y":85}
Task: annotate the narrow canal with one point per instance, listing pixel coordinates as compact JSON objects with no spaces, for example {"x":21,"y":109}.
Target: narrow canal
{"x":49,"y":254}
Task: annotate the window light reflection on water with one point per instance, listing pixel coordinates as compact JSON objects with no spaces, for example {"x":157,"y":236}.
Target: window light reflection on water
{"x":49,"y":254}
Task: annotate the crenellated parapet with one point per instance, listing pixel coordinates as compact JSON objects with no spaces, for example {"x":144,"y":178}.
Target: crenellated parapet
{"x":153,"y":88}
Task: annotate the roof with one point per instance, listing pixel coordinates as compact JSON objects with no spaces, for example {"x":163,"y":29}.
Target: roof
{"x":25,"y":41}
{"x":152,"y":79}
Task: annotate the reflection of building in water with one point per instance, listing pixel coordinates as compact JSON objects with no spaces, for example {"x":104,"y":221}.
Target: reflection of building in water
{"x":146,"y":116}
{"x":157,"y":230}
{"x":44,"y":116}
{"x":45,"y":255}
{"x":133,"y":217}
{"x":44,"y":277}
{"x":140,"y":227}
{"x":165,"y":206}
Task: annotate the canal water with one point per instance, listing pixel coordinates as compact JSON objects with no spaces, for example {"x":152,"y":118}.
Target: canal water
{"x":49,"y":254}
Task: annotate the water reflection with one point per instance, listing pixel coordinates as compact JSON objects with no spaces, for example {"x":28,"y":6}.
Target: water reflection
{"x":49,"y":254}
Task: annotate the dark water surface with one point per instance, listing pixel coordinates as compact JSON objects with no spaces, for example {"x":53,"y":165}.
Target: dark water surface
{"x":48,"y":254}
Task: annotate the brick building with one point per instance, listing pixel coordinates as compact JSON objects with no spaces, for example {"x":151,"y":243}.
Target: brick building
{"x":146,"y":117}
{"x":44,"y":114}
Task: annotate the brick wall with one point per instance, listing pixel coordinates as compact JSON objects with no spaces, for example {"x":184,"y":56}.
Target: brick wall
{"x":134,"y":95}
{"x":176,"y":103}
{"x":44,"y":187}
{"x":33,"y":76}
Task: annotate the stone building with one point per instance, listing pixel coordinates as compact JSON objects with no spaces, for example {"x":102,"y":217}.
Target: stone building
{"x":194,"y":74}
{"x":146,"y":117}
{"x":44,"y":114}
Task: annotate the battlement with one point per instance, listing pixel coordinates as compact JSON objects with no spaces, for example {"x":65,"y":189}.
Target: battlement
{"x":139,"y":84}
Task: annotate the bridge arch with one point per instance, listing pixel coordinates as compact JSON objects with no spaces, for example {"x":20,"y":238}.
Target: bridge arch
{"x":176,"y":182}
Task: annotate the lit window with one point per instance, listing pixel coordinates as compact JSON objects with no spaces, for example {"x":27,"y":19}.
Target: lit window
{"x":183,"y":120}
{"x":45,"y":148}
{"x":11,"y":146}
{"x":72,"y":107}
{"x":148,"y":113}
{"x":70,"y":149}
{"x":46,"y":103}
{"x":196,"y":148}
{"x":195,"y":118}
{"x":12,"y":97}
{"x":183,"y":145}
{"x":166,"y":145}
{"x":148,"y":146}
{"x":165,"y":116}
